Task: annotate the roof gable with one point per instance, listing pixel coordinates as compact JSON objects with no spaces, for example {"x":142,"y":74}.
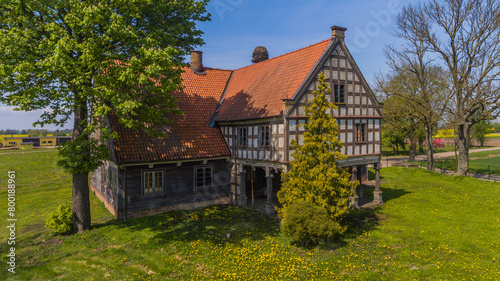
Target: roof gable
{"x":257,"y":90}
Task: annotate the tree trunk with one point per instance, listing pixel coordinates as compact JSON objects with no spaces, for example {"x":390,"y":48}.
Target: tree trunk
{"x":81,"y":202}
{"x":421,"y":145}
{"x":430,"y":152}
{"x":413,"y":147}
{"x":463,"y":141}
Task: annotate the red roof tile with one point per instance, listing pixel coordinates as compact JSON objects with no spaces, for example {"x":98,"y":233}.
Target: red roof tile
{"x":189,"y":135}
{"x":257,"y":90}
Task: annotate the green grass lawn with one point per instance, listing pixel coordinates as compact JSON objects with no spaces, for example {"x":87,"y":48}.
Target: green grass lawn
{"x":432,"y":226}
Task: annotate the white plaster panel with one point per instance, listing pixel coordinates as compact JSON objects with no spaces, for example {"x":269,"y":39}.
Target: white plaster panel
{"x":377,"y":124}
{"x":342,"y":63}
{"x":274,"y":129}
{"x":342,"y":150}
{"x":335,"y":62}
{"x":342,"y":75}
{"x":377,"y":137}
{"x":370,"y":124}
{"x":230,"y":130}
{"x":290,"y":156}
{"x":370,"y":137}
{"x":343,"y":111}
{"x":349,"y":124}
{"x":250,"y":155}
{"x":240,"y":153}
{"x":369,"y":101}
{"x":335,"y":112}
{"x":377,"y":148}
{"x":328,"y":98}
{"x":356,"y":150}
{"x":281,"y":129}
{"x":342,"y":137}
{"x":225,"y":130}
{"x":349,"y":137}
{"x":256,"y":130}
{"x":349,"y":112}
{"x":349,"y":76}
{"x":250,"y":131}
{"x":255,"y":155}
{"x":356,"y":100}
{"x":281,"y":142}
{"x":261,"y":155}
{"x":335,"y":75}
{"x":328,"y":111}
{"x":356,"y":78}
{"x":350,"y":88}
{"x":310,"y":97}
{"x":350,"y":99}
{"x":281,"y":156}
{"x":327,"y":63}
{"x":363,"y":149}
{"x":255,"y":143}
{"x":302,"y":112}
{"x":342,"y":124}
{"x":370,"y":111}
{"x":230,"y":142}
{"x":327,"y":73}
{"x":357,"y":111}
{"x":249,"y":142}
{"x":363,"y":111}
{"x":370,"y":149}
{"x":268,"y":155}
{"x":357,"y":89}
{"x":349,"y":150}
{"x":244,"y":154}
{"x":291,"y":125}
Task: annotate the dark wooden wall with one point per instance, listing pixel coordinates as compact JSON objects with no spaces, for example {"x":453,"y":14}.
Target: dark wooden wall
{"x":179,"y":185}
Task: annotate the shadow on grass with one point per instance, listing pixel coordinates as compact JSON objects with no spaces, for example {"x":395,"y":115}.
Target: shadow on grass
{"x":212,"y":224}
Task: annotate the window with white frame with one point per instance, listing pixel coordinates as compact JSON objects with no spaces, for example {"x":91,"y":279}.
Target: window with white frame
{"x":360,"y":132}
{"x":153,"y":182}
{"x":264,"y":136}
{"x":242,"y":136}
{"x":203,"y":176}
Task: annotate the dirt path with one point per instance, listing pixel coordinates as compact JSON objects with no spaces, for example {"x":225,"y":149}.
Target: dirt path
{"x":387,"y":162}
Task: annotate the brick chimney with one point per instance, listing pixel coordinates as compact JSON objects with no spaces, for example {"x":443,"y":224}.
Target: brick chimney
{"x":338,"y":32}
{"x":197,"y":62}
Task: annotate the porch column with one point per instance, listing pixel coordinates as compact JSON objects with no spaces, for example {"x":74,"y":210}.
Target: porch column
{"x":269,"y":203}
{"x":354,"y":177}
{"x":360,"y":178}
{"x":243,"y":191}
{"x":377,"y":194}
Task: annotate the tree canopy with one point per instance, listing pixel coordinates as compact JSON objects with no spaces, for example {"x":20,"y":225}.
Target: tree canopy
{"x":89,"y":59}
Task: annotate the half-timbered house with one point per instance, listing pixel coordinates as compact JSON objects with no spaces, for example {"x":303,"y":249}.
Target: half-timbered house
{"x":233,"y":141}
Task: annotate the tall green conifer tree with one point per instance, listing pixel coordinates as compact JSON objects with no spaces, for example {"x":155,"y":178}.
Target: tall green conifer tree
{"x":314,"y":175}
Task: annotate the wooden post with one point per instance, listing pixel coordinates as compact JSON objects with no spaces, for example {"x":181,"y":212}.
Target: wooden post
{"x":253,"y":194}
{"x":354,"y":178}
{"x":377,"y":194}
{"x":269,"y":203}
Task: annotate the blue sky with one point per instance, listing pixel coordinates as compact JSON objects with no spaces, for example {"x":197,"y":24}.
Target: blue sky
{"x":238,"y":26}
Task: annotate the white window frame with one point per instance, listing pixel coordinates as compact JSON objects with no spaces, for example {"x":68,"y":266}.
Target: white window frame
{"x":242,"y":136}
{"x":155,"y":190}
{"x":205,"y":183}
{"x":262,"y":135}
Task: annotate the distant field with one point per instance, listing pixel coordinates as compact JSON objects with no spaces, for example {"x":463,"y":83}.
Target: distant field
{"x":431,"y":227}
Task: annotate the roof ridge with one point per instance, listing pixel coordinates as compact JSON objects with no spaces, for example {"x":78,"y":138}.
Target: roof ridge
{"x":285,"y":54}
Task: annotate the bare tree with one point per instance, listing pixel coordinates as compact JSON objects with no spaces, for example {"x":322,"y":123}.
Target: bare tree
{"x":421,"y":85}
{"x":464,"y":37}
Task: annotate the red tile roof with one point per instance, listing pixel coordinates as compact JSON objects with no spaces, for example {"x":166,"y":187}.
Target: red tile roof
{"x":189,"y":135}
{"x":257,"y":90}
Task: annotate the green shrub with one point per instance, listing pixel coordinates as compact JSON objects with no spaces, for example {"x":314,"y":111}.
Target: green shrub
{"x":308,"y":224}
{"x":61,"y":220}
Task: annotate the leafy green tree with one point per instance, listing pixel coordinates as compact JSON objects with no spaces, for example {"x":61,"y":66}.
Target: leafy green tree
{"x":480,"y":130}
{"x":496,"y":127}
{"x":314,"y":175}
{"x":89,"y":59}
{"x":34,"y":133}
